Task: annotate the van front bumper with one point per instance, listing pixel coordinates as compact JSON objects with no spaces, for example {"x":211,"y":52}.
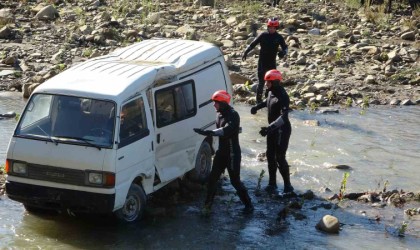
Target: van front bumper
{"x":60,"y":199}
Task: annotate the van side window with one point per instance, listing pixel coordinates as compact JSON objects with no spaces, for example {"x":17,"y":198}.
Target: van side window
{"x":133,"y":124}
{"x":175,"y":103}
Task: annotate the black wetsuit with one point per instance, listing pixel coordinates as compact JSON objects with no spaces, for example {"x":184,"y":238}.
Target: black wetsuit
{"x":269,"y":44}
{"x":228,"y":156}
{"x":277,"y":103}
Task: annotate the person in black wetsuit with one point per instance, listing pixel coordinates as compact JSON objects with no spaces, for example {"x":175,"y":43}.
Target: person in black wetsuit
{"x":278,"y":132}
{"x":270,"y":41}
{"x":228,"y":154}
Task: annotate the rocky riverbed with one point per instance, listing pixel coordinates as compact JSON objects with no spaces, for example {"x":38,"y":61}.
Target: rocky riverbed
{"x":339,"y":53}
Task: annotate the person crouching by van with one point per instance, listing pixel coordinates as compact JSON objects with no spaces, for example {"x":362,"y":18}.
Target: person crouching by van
{"x":278,"y":132}
{"x":228,"y":155}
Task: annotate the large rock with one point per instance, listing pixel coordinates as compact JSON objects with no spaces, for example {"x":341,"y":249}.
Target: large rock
{"x":336,"y":33}
{"x":205,"y":2}
{"x":47,"y":13}
{"x":6,"y":16}
{"x":408,"y":35}
{"x":329,"y":224}
{"x":236,"y":78}
{"x":5,"y":32}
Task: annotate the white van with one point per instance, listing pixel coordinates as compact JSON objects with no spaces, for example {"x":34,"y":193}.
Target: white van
{"x":105,"y":133}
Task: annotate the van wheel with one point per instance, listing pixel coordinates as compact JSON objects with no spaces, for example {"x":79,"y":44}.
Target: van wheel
{"x":202,"y":168}
{"x":134,"y":205}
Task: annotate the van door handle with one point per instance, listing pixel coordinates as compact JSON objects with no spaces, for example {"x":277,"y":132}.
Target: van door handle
{"x":158,"y":138}
{"x":119,"y":158}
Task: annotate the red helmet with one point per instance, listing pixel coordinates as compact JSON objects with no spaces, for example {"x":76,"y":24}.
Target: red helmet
{"x":221,"y":96}
{"x":272,"y":75}
{"x":273,"y":22}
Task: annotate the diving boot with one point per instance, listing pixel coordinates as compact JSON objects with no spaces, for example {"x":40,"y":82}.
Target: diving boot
{"x":248,"y":209}
{"x":287,"y":192}
{"x":288,"y":189}
{"x":271,"y":189}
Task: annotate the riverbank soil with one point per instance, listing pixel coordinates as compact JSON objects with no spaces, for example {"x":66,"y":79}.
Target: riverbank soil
{"x":339,"y":52}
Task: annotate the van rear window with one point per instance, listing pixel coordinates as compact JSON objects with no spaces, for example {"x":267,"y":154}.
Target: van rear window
{"x":175,"y":103}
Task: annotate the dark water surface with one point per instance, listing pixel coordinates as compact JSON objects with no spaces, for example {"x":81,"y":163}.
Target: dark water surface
{"x":381,"y":145}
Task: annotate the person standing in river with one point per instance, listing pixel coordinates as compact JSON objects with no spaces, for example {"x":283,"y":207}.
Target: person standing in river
{"x":278,"y":131}
{"x":228,"y":154}
{"x":269,"y":41}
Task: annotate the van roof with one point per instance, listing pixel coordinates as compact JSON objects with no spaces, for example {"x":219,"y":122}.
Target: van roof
{"x":131,"y":69}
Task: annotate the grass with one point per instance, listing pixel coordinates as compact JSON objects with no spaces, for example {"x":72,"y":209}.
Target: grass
{"x":331,"y":97}
{"x":121,"y":8}
{"x":87,"y":52}
{"x":248,"y":6}
{"x":343,"y":186}
{"x":61,"y":66}
{"x":349,"y":102}
{"x":402,"y":229}
{"x":260,"y":179}
{"x":313,"y":107}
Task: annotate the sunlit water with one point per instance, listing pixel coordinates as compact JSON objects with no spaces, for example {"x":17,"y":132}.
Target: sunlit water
{"x":381,"y":145}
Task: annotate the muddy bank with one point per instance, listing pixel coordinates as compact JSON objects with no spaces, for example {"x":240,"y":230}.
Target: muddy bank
{"x":339,"y":53}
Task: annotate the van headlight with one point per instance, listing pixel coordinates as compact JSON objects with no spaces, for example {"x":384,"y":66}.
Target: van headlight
{"x":95,"y":178}
{"x":103,"y":179}
{"x":20,"y":168}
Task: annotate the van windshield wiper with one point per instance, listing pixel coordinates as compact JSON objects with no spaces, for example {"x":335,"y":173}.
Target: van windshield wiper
{"x":87,"y":141}
{"x":48,"y":135}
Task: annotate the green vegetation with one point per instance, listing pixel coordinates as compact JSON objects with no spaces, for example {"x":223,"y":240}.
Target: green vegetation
{"x":17,"y":117}
{"x":402,"y":229}
{"x":349,"y":102}
{"x":343,"y":186}
{"x":260,"y":179}
{"x":61,"y":66}
{"x":364,"y":105}
{"x":338,"y":55}
{"x":313,"y":107}
{"x":250,"y":6}
{"x":17,"y":74}
{"x":87,"y":52}
{"x":331,"y":97}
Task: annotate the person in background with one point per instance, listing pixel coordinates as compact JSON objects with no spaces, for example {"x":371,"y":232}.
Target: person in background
{"x":269,"y":41}
{"x":278,"y":131}
{"x":228,"y":154}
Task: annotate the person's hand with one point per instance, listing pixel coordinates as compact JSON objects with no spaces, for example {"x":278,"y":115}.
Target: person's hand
{"x":263,"y":131}
{"x":204,"y":132}
{"x":253,"y":110}
{"x":243,"y":56}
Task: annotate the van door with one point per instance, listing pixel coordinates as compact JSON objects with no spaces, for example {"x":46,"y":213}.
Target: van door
{"x":135,"y":144}
{"x":175,"y":109}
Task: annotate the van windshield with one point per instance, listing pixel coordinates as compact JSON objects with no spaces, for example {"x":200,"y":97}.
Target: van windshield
{"x":68,"y":119}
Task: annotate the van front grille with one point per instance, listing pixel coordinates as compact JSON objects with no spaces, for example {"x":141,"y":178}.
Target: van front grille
{"x":56,"y":174}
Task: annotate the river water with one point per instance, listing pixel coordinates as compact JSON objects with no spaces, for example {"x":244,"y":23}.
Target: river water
{"x":383,"y":144}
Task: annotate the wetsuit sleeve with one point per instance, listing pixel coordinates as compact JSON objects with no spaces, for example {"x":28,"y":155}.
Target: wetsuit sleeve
{"x":261,"y":105}
{"x":283,"y":44}
{"x":254,"y":43}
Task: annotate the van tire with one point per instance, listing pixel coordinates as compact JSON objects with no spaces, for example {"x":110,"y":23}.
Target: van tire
{"x":134,"y":205}
{"x":202,"y":168}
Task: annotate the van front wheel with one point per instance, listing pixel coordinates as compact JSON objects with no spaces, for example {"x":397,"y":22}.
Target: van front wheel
{"x":134,"y":205}
{"x":202,"y":168}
